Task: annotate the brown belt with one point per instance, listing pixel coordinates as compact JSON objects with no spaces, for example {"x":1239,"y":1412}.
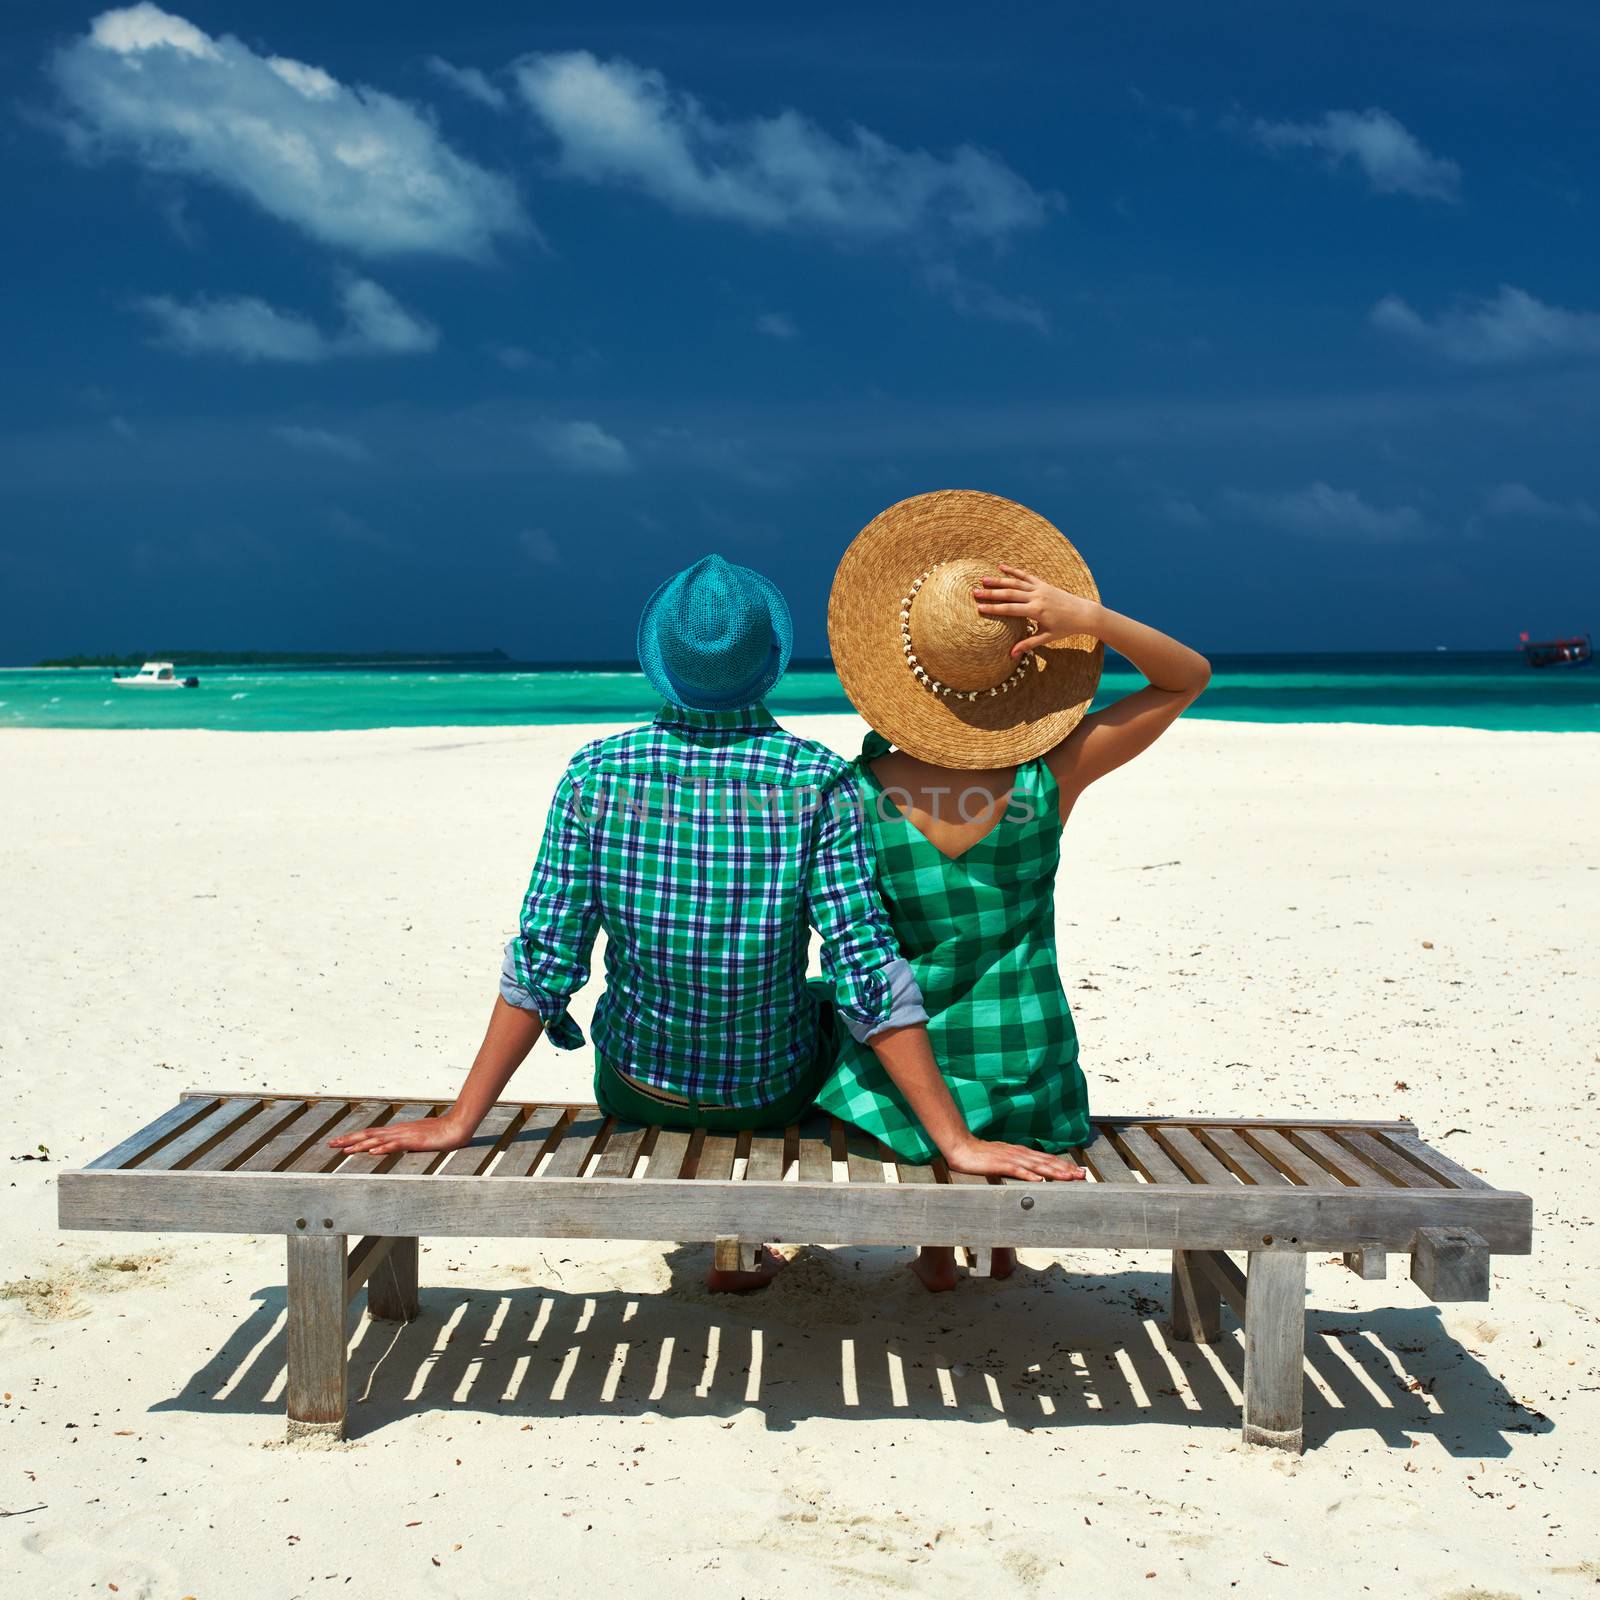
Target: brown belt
{"x":662,"y":1096}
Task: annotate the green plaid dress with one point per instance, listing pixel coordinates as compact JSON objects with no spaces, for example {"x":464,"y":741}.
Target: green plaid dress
{"x":979,"y":932}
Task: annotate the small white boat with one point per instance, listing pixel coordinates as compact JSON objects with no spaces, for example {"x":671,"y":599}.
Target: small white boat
{"x":155,"y":675}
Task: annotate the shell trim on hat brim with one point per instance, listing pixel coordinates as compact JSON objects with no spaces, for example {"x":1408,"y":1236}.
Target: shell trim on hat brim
{"x":865,"y":638}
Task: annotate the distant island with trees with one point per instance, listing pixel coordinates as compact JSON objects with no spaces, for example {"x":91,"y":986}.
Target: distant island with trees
{"x":291,"y":658}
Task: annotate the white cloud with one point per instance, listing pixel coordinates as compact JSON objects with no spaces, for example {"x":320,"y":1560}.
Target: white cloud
{"x":348,"y":165}
{"x":249,"y":329}
{"x":1391,"y":156}
{"x":1517,"y":502}
{"x":777,"y":325}
{"x":538,"y":548}
{"x":236,"y":325}
{"x":471,"y":82}
{"x":323,"y":442}
{"x":972,"y":298}
{"x":1512,"y":326}
{"x":618,"y":123}
{"x":583,"y":446}
{"x":1183,"y":513}
{"x":1322,"y":512}
{"x":375,"y":321}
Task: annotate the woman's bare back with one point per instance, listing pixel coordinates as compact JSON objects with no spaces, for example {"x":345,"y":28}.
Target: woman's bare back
{"x":953,"y":810}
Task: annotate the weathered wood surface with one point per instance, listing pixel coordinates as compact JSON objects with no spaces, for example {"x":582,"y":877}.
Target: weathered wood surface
{"x":1223,"y":1276}
{"x":1288,"y":1157}
{"x":1368,"y":1261}
{"x":1274,"y":1348}
{"x":1127,"y":1216}
{"x":154,"y":1134}
{"x":1196,"y":1310}
{"x":253,"y":1163}
{"x":1112,"y":1120}
{"x":362,"y":1261}
{"x":194,"y":1141}
{"x":1451,"y":1264}
{"x":1431,"y":1160}
{"x":316,"y":1333}
{"x":392,"y":1288}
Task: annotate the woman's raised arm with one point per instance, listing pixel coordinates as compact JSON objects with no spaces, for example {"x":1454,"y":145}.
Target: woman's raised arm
{"x":1105,"y":741}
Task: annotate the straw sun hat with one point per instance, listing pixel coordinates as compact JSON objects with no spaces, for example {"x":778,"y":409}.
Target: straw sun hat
{"x":923,"y":665}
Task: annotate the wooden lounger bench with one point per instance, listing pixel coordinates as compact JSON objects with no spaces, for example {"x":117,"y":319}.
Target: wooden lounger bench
{"x":1202,"y":1188}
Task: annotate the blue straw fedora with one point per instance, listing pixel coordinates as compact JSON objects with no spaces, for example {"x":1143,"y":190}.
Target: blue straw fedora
{"x":716,"y":637}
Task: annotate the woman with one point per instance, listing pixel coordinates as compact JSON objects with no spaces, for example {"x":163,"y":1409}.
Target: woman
{"x":969,"y":634}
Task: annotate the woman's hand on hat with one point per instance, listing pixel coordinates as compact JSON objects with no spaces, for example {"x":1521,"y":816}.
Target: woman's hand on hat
{"x":1055,"y":613}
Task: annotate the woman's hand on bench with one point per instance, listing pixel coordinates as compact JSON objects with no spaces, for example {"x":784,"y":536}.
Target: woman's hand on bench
{"x":992,"y":1158}
{"x":433,"y":1133}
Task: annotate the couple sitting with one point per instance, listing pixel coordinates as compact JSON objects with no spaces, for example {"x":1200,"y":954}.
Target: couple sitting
{"x":709,"y":843}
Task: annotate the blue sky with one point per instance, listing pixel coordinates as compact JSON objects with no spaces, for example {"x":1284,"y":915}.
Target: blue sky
{"x":400,"y":326}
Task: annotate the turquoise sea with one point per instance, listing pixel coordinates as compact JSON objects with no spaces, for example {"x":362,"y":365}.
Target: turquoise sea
{"x":1448,"y":689}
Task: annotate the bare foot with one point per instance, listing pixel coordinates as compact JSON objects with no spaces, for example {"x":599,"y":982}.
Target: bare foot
{"x":935,"y":1265}
{"x":768,"y":1265}
{"x":1002,"y":1263}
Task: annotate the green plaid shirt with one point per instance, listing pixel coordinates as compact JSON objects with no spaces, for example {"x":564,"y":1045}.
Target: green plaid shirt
{"x":707,"y":845}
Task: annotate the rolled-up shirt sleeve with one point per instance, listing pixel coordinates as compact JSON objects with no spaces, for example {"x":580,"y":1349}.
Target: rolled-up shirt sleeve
{"x":872,"y":982}
{"x":548,"y":960}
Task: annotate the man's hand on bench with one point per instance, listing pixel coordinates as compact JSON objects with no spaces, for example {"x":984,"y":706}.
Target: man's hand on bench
{"x":990,"y":1158}
{"x":434,"y":1133}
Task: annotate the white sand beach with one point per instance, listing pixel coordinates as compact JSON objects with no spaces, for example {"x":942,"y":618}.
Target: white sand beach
{"x":1254,"y":920}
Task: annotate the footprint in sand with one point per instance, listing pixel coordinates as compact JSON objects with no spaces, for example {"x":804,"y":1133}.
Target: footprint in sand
{"x":67,"y":1291}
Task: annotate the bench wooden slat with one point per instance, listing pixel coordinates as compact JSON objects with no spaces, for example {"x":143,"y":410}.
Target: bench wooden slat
{"x":858,"y":1151}
{"x":913,"y":1172}
{"x":1401,"y":1173}
{"x":154,"y":1134}
{"x":621,"y":1154}
{"x":584,"y":1134}
{"x":200,"y":1136}
{"x":318,"y":1157}
{"x":413,"y":1111}
{"x":1246,"y":1162}
{"x":1341,"y":1165}
{"x":474,"y":1156}
{"x":965,"y":1177}
{"x":1149,"y":1157}
{"x":1103,"y":1160}
{"x":1437,"y":1162}
{"x":317,"y":1121}
{"x":668,"y":1153}
{"x":1194,"y":1157}
{"x":766,"y":1163}
{"x":540,"y":1128}
{"x":250,"y":1136}
{"x":717,"y":1153}
{"x":414,"y":1163}
{"x":812,"y":1152}
{"x":1288,"y":1157}
{"x":1109,"y":1119}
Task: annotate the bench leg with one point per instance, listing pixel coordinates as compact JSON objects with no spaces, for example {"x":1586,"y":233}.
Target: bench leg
{"x":316,"y":1334}
{"x":1274,"y":1348}
{"x":728,"y":1254}
{"x":1196,"y":1302}
{"x":392,"y":1288}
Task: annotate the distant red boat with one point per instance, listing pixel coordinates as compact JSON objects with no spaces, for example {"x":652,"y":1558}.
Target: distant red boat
{"x":1575,"y":652}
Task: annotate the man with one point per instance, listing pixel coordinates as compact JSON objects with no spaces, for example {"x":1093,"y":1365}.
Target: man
{"x":707,"y":844}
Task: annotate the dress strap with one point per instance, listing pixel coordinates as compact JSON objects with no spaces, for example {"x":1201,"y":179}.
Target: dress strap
{"x":874,"y":745}
{"x":1036,"y":785}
